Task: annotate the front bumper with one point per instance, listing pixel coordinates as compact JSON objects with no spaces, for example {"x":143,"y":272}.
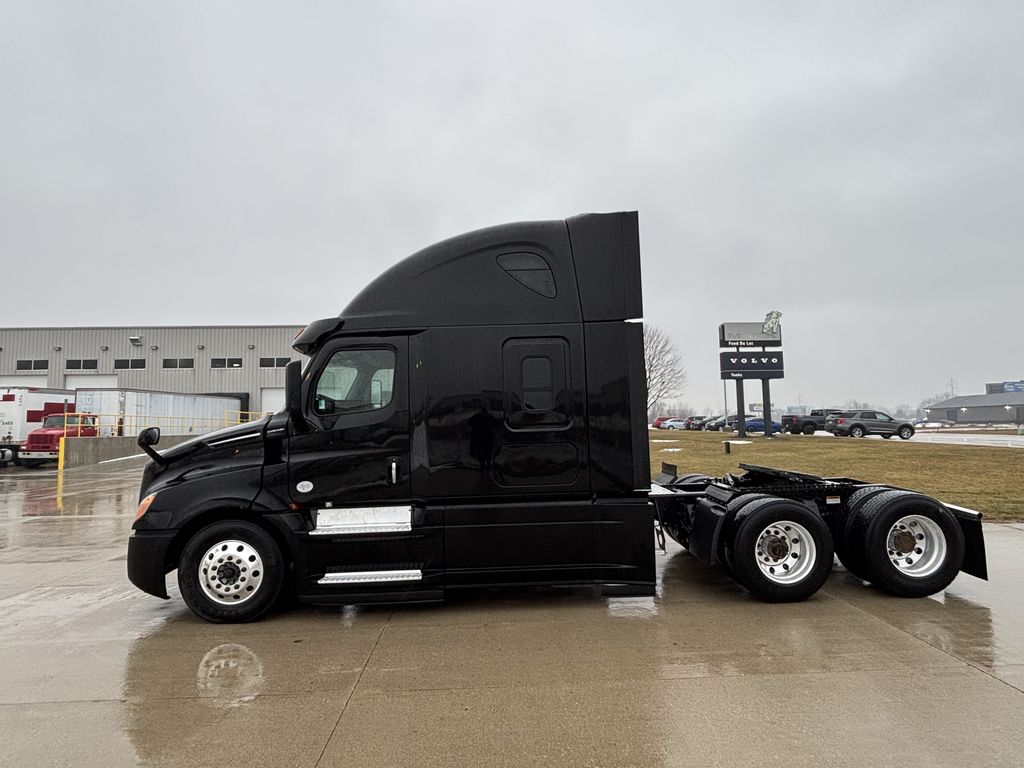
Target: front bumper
{"x":147,"y":557}
{"x":38,"y":455}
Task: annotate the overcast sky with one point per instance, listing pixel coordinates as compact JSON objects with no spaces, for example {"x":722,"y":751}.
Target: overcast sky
{"x":858,"y":166}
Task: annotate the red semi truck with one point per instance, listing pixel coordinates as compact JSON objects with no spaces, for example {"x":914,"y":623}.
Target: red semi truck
{"x":24,"y":409}
{"x":43,"y":444}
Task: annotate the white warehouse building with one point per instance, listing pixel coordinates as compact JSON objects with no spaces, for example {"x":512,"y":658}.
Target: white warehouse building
{"x":247,"y":361}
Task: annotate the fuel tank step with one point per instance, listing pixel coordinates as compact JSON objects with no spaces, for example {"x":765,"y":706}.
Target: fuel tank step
{"x":362,"y":520}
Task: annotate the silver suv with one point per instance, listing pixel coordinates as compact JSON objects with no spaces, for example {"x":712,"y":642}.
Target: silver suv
{"x":862,"y":423}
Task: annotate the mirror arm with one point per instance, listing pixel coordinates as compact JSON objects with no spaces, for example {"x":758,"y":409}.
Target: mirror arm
{"x":293,"y":396}
{"x":146,"y":443}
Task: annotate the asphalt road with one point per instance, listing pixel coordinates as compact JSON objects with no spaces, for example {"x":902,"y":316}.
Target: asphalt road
{"x":95,"y":673}
{"x":946,"y":438}
{"x":962,"y":438}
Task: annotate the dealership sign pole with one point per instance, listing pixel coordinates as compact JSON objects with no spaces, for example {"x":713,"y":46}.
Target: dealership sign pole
{"x":743,"y":362}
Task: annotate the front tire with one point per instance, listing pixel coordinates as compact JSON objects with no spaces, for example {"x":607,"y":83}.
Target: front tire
{"x":782,"y":551}
{"x":230,"y":571}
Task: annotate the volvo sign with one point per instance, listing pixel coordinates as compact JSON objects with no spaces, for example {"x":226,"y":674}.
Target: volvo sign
{"x":751,"y":365}
{"x":744,"y":362}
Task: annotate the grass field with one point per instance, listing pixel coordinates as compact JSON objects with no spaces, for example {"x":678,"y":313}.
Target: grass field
{"x":982,"y":478}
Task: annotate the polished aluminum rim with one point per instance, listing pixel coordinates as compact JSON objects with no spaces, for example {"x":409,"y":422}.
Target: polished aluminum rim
{"x":785,"y":552}
{"x":231,"y":572}
{"x":916,"y":545}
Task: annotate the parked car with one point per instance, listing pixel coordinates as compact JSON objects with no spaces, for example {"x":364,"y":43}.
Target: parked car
{"x":863,"y":423}
{"x":693,"y":422}
{"x":757,"y":425}
{"x":726,"y":423}
{"x":674,"y":424}
{"x":714,"y":424}
{"x":702,"y":424}
{"x":659,"y":423}
{"x":808,"y":424}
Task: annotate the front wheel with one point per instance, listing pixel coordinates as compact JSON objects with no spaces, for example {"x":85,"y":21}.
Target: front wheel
{"x":857,"y":431}
{"x":782,"y":551}
{"x":230,"y":571}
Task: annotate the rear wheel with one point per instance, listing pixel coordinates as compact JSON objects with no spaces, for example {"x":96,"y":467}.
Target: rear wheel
{"x":809,"y":429}
{"x":857,"y":431}
{"x":852,"y":557}
{"x":230,"y":571}
{"x":905,"y":432}
{"x":912,"y":545}
{"x":782,"y":551}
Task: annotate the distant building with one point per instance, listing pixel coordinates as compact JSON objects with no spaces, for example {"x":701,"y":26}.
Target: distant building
{"x":238,"y":360}
{"x":1004,"y":386}
{"x":995,"y":408}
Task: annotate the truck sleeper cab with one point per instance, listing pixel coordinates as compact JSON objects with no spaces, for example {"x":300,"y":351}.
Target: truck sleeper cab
{"x":475,"y":417}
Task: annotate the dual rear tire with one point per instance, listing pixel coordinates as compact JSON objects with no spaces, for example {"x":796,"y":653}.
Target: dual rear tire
{"x":904,"y":542}
{"x":781,"y":550}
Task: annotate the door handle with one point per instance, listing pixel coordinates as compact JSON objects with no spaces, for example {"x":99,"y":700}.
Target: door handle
{"x":393,"y":470}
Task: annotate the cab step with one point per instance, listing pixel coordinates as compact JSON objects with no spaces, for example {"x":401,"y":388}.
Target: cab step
{"x":370,"y":577}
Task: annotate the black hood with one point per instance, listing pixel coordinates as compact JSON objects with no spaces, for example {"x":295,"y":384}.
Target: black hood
{"x":235,"y":433}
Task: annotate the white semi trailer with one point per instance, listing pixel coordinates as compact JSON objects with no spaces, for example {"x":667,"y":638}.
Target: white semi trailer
{"x":126,"y":411}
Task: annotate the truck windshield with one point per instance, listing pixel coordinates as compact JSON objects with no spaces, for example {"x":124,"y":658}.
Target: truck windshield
{"x":58,"y":420}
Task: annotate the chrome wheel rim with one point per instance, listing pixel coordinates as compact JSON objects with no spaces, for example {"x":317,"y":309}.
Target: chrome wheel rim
{"x":785,"y":552}
{"x":231,"y":572}
{"x":916,"y":546}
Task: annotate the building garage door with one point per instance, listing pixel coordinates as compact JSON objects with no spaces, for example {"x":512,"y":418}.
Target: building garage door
{"x":271,"y":399}
{"x":23,"y":381}
{"x":90,"y":381}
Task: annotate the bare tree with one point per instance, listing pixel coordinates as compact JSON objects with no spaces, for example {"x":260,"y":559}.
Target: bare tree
{"x":666,"y":377}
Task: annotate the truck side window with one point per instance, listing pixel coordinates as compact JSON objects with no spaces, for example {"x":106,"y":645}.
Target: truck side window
{"x":535,"y":375}
{"x":355,"y":380}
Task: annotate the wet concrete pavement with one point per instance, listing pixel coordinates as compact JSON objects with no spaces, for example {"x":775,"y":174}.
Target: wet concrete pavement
{"x":93,"y":672}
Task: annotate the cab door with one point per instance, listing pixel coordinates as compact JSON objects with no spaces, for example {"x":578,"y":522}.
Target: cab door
{"x":350,"y":471}
{"x":356,"y":401}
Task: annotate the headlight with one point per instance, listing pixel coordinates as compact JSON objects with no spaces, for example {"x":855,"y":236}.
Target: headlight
{"x":144,"y":505}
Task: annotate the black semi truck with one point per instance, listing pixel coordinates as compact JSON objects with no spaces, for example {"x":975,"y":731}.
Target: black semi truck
{"x":476,"y":417}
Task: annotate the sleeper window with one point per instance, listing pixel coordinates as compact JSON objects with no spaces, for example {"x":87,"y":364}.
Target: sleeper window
{"x":536,"y":376}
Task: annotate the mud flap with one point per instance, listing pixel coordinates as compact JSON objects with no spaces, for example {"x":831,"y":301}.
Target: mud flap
{"x":975,"y":562}
{"x":708,"y":519}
